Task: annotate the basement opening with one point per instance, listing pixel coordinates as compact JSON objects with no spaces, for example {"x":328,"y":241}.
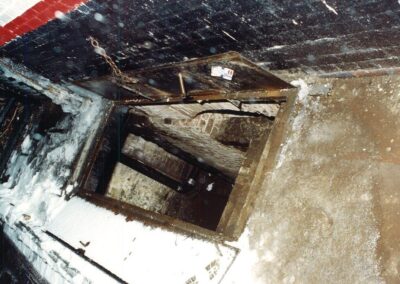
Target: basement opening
{"x":177,"y":160}
{"x":181,"y":146}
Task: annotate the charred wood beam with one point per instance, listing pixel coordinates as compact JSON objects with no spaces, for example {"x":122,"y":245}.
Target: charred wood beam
{"x":180,"y":186}
{"x":234,"y":112}
{"x":5,"y":110}
{"x":150,"y":133}
{"x":59,"y":94}
{"x":9,"y":140}
{"x":114,"y":135}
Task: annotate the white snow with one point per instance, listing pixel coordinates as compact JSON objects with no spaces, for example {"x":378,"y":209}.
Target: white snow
{"x":242,"y":269}
{"x":26,"y":145}
{"x":99,"y":17}
{"x":275,"y":47}
{"x":135,"y":252}
{"x":297,"y":122}
{"x":210,"y":186}
{"x":34,"y":187}
{"x":229,"y":35}
{"x":304,"y":89}
{"x":330,"y":8}
{"x":60,"y":15}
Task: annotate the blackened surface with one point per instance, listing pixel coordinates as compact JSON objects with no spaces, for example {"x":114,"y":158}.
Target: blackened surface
{"x":23,"y":110}
{"x":14,"y":267}
{"x":139,"y":33}
{"x":108,"y":153}
{"x":15,"y":116}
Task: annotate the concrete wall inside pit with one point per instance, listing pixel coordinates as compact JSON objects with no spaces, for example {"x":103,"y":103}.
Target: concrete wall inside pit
{"x":219,"y":140}
{"x":328,"y":210}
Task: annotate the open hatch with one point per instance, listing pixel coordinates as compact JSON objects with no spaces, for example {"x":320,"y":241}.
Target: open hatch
{"x":181,"y":143}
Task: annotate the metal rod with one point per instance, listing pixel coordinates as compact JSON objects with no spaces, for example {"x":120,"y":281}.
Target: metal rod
{"x":181,"y":83}
{"x":137,"y":92}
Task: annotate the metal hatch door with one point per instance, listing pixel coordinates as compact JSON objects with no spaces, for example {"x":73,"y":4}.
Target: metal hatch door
{"x":219,"y":77}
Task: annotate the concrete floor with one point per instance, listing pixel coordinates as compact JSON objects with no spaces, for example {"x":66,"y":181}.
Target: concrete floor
{"x":328,"y":209}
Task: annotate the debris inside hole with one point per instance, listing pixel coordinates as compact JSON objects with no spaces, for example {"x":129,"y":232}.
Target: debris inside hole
{"x":177,"y":160}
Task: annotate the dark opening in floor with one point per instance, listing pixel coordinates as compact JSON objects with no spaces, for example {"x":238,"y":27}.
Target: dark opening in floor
{"x":177,"y":160}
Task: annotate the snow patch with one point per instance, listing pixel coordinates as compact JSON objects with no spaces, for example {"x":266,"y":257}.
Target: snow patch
{"x":242,"y":270}
{"x":304,"y":89}
{"x":37,"y":172}
{"x":330,"y":8}
{"x":26,"y":145}
{"x":131,"y":250}
{"x":296,"y":122}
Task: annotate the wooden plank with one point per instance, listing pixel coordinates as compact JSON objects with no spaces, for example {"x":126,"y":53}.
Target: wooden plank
{"x":152,"y":155}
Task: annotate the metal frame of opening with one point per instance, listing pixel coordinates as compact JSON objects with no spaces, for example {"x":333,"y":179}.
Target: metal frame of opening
{"x":258,"y":158}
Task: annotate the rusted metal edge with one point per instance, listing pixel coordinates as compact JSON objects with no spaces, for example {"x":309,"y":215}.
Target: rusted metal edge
{"x":224,"y":56}
{"x":205,"y":96}
{"x":84,"y":163}
{"x":236,"y":202}
{"x":230,"y":55}
{"x":234,"y":219}
{"x":145,"y":90}
{"x":153,"y":219}
{"x":150,"y":219}
{"x":276,"y":96}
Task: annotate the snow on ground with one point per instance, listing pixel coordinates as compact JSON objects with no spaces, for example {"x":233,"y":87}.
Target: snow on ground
{"x":37,"y":172}
{"x":139,"y":253}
